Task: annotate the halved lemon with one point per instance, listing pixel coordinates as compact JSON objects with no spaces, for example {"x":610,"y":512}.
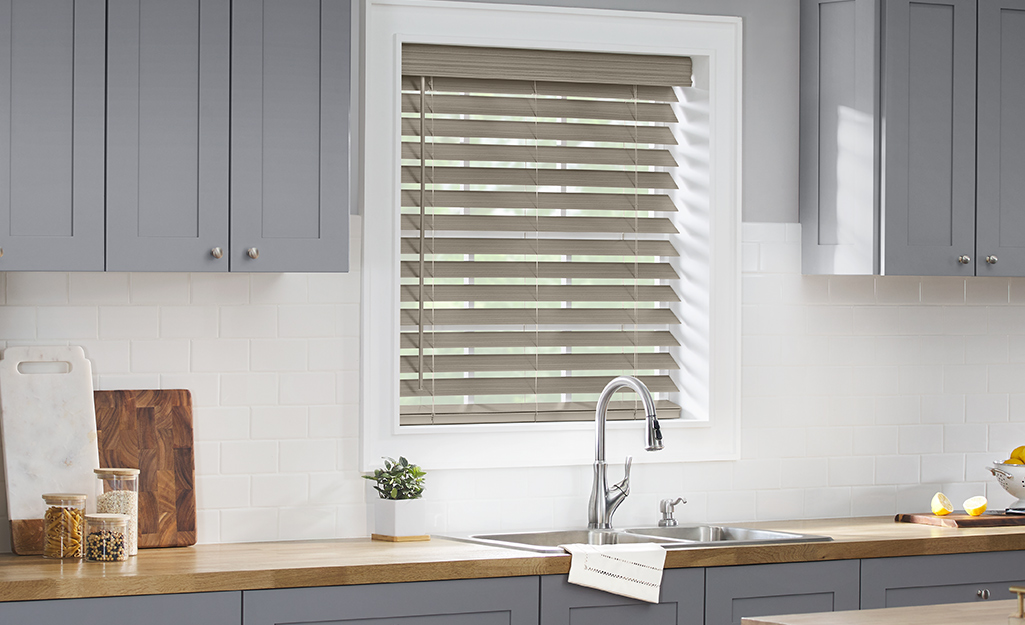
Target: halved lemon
{"x":1019,"y":453}
{"x":941,"y":506}
{"x":975,"y":505}
{"x":1013,"y":461}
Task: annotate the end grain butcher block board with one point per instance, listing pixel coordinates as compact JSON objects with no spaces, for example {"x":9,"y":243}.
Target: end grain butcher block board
{"x":49,"y":435}
{"x":989,"y":519}
{"x":151,"y":430}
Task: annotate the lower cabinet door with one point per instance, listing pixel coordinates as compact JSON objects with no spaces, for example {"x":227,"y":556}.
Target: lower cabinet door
{"x":733,"y":592}
{"x":930,"y":580}
{"x":500,"y":601}
{"x":206,"y":608}
{"x":681,"y":602}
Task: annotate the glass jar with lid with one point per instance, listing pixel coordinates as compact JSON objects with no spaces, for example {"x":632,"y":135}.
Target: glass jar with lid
{"x":118,"y":493}
{"x":63,"y":525}
{"x":106,"y":537}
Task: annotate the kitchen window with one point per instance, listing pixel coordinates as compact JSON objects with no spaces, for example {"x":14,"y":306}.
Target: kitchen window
{"x":541,"y":214}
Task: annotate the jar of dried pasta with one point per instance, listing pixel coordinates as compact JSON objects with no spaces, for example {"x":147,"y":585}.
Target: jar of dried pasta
{"x":63,"y":525}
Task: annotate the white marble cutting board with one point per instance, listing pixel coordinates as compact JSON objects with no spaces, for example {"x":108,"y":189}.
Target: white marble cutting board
{"x":49,"y":426}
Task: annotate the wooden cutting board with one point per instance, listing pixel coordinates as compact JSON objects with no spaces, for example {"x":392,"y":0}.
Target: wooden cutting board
{"x":151,"y":430}
{"x":989,"y":519}
{"x":49,"y":434}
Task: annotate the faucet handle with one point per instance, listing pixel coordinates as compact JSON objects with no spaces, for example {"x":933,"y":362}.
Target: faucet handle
{"x":626,"y":468}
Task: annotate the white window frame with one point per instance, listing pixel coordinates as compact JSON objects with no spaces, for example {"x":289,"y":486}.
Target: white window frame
{"x":714,"y":42}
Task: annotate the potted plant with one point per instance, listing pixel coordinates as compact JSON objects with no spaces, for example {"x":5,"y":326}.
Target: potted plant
{"x":399,"y":513}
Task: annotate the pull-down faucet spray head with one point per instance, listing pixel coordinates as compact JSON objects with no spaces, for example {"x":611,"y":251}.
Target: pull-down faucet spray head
{"x":652,"y":434}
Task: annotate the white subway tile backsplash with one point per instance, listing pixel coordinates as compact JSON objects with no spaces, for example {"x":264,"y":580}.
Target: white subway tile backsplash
{"x":861,"y":395}
{"x":129,"y":322}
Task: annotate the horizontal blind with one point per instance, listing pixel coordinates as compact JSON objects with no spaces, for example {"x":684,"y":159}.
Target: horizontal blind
{"x":537,"y":233}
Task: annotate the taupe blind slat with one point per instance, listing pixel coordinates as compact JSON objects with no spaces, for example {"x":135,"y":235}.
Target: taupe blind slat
{"x":547,"y":65}
{"x":540,"y":196}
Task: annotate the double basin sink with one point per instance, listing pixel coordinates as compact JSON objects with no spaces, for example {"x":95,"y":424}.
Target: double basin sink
{"x":679,"y":537}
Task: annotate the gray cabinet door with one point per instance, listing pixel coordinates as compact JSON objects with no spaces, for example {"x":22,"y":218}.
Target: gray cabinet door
{"x":929,"y":580}
{"x":289,"y":135}
{"x":928,"y":104}
{"x":1001,"y":140}
{"x":839,"y":147}
{"x":51,"y":134}
{"x":212,"y":608}
{"x":682,"y":602}
{"x":167,"y":134}
{"x":501,"y":601}
{"x":733,"y":592}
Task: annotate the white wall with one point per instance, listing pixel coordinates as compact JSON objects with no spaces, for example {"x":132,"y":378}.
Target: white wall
{"x":861,"y":396}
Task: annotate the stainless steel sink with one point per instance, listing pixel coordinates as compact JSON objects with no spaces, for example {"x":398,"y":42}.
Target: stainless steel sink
{"x":548,"y":542}
{"x":703,"y":535}
{"x":681,"y":537}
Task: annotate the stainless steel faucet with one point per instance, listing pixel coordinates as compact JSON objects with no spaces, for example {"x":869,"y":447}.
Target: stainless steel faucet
{"x":605,"y":500}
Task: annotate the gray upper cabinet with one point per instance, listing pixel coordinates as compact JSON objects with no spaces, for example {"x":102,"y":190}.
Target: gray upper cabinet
{"x":51,"y":134}
{"x":167,"y":135}
{"x":1001,"y":154}
{"x":899,"y":197}
{"x":289,"y":135}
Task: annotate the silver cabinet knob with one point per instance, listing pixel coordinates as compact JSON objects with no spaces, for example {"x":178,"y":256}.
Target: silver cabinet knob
{"x":253,"y":253}
{"x":964,"y":260}
{"x":982,"y":594}
{"x":217,"y":252}
{"x":991,"y":260}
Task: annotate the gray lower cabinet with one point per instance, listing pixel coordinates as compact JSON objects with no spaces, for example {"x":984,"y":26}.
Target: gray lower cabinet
{"x":167,"y":134}
{"x":290,"y":135}
{"x":211,"y":608}
{"x":733,"y":592}
{"x":928,"y":580}
{"x":51,"y":134}
{"x":501,"y":601}
{"x":682,"y":602}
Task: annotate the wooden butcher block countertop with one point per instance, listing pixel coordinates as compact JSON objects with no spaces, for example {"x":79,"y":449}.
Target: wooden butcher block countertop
{"x":251,"y":566}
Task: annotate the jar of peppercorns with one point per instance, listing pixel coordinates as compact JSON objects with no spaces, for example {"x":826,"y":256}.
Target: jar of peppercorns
{"x":63,"y":525}
{"x":106,"y":537}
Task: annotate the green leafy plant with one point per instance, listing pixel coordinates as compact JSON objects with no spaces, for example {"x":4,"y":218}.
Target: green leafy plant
{"x":398,"y":479}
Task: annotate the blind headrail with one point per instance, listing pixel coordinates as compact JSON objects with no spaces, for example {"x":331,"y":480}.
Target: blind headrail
{"x":547,"y":65}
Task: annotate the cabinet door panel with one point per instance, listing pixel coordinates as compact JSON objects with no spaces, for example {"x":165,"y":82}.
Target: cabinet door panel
{"x":502,"y":601}
{"x":681,"y":602}
{"x":213,"y":608}
{"x":929,"y":136}
{"x":839,"y":102}
{"x":167,"y":134}
{"x":734,"y":592}
{"x":290,"y":102}
{"x":1001,"y":141}
{"x":51,"y":134}
{"x":929,"y":580}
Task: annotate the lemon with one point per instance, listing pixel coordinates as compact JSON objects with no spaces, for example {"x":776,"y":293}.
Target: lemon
{"x":1019,"y":453}
{"x":1013,"y":461}
{"x":975,"y":505}
{"x":941,"y":506}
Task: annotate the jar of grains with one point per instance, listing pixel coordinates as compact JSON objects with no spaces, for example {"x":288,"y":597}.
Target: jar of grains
{"x":118,"y":493}
{"x":106,"y":537}
{"x":63,"y":525}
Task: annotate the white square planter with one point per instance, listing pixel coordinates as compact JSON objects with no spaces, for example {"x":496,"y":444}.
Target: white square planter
{"x":400,"y":520}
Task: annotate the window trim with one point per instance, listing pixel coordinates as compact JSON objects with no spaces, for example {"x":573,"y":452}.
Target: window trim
{"x":715,"y":44}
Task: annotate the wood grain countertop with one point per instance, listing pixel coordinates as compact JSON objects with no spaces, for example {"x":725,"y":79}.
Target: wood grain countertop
{"x":250,"y":566}
{"x":979,"y":613}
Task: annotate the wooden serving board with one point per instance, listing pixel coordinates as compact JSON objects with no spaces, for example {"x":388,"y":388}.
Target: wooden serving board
{"x":151,"y":430}
{"x":49,"y":435}
{"x":989,"y":519}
